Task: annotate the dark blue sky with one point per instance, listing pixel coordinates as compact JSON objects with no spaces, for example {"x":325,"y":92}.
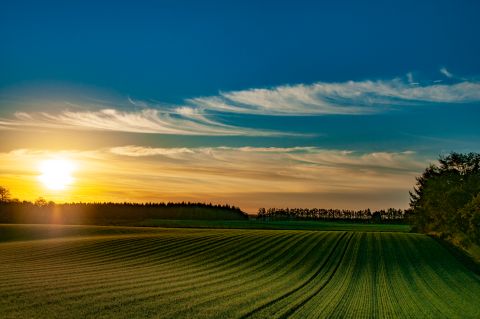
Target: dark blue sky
{"x":171,"y":50}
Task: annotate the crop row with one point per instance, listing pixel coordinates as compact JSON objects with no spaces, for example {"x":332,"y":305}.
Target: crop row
{"x":234,"y":273}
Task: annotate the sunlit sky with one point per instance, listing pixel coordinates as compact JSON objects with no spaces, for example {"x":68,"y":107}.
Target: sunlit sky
{"x":334,"y":104}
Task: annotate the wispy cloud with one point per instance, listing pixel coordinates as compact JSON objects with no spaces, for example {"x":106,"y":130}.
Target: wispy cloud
{"x":206,"y":115}
{"x":140,"y":151}
{"x":445,"y":72}
{"x":362,"y":97}
{"x":254,"y":157}
{"x":411,"y":80}
{"x":144,"y":121}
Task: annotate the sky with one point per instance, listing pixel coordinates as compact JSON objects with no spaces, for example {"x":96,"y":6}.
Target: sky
{"x":333,"y":104}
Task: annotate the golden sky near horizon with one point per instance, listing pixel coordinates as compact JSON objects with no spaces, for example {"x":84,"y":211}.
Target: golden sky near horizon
{"x":248,"y":177}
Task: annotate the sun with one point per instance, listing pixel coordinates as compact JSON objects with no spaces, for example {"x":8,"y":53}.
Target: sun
{"x":56,"y":174}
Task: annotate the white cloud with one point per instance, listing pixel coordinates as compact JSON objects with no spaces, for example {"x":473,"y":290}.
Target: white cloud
{"x":410,"y":79}
{"x":139,"y":151}
{"x":200,"y":116}
{"x":351,"y":97}
{"x":304,"y":155}
{"x":143,"y":121}
{"x":445,"y":72}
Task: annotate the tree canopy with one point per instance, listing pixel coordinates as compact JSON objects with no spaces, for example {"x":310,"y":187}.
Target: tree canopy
{"x":446,"y":198}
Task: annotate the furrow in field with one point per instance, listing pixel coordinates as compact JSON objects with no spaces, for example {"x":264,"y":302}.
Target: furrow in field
{"x":80,"y":288}
{"x":70,"y":269}
{"x":277,"y":275}
{"x":445,"y":298}
{"x":77,"y":250}
{"x":169,"y":303}
{"x":317,"y":290}
{"x":207,"y":283}
{"x":230,"y":273}
{"x":358,"y":291}
{"x":69,"y":254}
{"x":298,"y":287}
{"x":414,"y":274}
{"x":80,"y":267}
{"x":386,"y":299}
{"x":132,"y":283}
{"x":409,"y":304}
{"x":299,"y":268}
{"x":324,"y":305}
{"x":157,"y":248}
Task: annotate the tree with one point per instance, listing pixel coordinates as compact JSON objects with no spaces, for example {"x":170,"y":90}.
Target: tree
{"x":376,"y":218}
{"x":442,"y":194}
{"x":471,"y":213}
{"x":4,"y":195}
{"x":40,"y":202}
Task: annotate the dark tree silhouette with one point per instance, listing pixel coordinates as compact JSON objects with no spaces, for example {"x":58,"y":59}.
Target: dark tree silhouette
{"x":42,"y":211}
{"x":4,"y":195}
{"x":40,"y":202}
{"x":391,"y":215}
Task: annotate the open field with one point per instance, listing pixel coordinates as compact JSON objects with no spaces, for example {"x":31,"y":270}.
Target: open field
{"x":277,"y":224}
{"x":128,"y":272}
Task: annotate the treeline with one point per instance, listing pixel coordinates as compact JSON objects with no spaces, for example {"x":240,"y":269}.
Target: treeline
{"x":446,"y":199}
{"x":112,"y":213}
{"x":390,"y":215}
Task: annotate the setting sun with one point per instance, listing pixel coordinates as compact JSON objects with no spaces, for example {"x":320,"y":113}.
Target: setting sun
{"x":56,"y":174}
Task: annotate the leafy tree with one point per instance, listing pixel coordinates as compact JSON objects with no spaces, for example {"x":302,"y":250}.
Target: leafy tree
{"x":471,"y":213}
{"x":440,"y":198}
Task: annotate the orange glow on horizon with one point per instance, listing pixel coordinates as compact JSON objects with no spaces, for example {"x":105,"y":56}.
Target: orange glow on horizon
{"x":137,"y":174}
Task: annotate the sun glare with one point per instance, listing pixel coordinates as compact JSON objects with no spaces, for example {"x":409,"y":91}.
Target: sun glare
{"x":56,"y":174}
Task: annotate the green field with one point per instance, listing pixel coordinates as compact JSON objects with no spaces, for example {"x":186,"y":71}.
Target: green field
{"x":275,"y":224}
{"x":137,"y":272}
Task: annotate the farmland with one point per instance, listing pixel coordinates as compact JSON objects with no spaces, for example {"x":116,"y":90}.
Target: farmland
{"x":137,"y":272}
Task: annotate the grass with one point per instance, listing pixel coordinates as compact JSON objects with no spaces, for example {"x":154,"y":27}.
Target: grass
{"x":290,"y":224}
{"x":140,"y":272}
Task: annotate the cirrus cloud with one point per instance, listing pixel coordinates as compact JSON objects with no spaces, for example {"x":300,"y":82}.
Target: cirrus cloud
{"x":347,"y":98}
{"x":143,"y":121}
{"x":207,"y":115}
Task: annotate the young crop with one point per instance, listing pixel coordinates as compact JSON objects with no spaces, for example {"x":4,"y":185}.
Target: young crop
{"x":128,"y":272}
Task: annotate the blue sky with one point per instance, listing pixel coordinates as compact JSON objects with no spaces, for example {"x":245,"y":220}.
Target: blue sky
{"x":375,"y":77}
